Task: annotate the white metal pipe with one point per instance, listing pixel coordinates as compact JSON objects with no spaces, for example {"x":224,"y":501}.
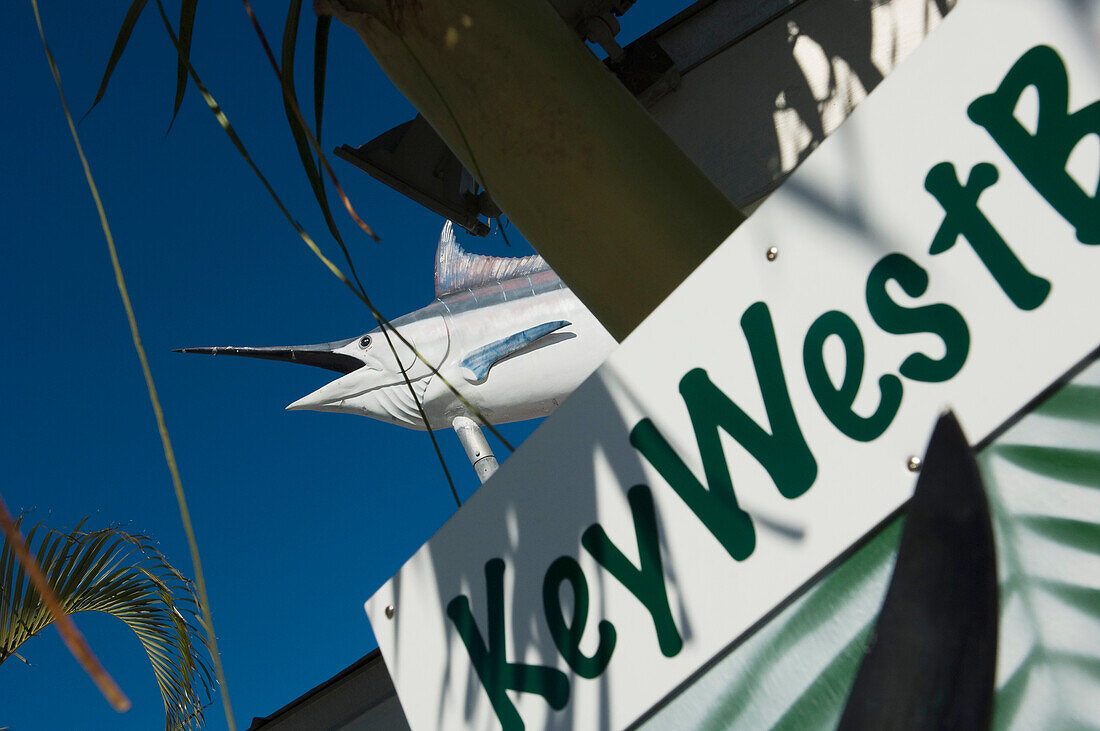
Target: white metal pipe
{"x":476,"y":446}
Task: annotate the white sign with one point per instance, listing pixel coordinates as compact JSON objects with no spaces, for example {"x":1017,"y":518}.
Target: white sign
{"x":941,"y":249}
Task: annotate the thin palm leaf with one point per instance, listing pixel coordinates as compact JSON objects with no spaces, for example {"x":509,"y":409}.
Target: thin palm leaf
{"x":187,"y":24}
{"x":297,"y":128}
{"x":125,"y":576}
{"x":127,"y":28}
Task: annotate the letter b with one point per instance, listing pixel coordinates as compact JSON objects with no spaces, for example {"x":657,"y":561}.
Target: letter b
{"x":1042,"y":157}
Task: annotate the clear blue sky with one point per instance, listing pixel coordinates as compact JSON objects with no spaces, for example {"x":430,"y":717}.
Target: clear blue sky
{"x":300,"y":516}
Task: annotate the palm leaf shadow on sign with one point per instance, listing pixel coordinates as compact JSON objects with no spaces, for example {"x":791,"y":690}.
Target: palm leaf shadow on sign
{"x":525,"y":532}
{"x":518,"y":532}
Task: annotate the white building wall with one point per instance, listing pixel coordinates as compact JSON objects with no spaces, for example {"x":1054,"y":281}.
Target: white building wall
{"x":750,"y":114}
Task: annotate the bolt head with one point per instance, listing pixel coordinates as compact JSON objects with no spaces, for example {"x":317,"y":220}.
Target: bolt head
{"x":773,"y":253}
{"x":389,"y":612}
{"x":915,"y":463}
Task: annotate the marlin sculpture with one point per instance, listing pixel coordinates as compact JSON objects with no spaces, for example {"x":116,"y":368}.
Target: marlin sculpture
{"x":504,"y":331}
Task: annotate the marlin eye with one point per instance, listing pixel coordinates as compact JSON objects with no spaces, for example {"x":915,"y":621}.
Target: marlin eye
{"x":364,"y":342}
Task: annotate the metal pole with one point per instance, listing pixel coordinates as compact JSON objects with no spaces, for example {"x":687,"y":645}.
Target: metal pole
{"x":476,"y":446}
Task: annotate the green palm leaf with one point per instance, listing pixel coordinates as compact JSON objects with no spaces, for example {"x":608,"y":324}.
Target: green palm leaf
{"x":1052,"y":605}
{"x":865,"y":572}
{"x":296,"y":123}
{"x":187,"y":24}
{"x":1083,"y":598}
{"x":1076,"y":401}
{"x":828,"y":689}
{"x":1079,"y":466}
{"x":127,"y":28}
{"x":120,"y":574}
{"x":1082,"y":534}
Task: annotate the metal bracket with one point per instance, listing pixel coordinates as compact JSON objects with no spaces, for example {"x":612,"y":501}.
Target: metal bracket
{"x":413,"y":160}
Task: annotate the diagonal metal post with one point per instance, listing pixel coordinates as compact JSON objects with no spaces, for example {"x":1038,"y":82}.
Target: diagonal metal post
{"x":567,"y":153}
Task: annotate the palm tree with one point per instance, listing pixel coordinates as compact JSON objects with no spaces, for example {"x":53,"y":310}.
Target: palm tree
{"x":123,"y":575}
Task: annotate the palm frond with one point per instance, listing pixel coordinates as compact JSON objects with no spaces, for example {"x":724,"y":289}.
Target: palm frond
{"x":127,"y":577}
{"x":1048,"y":546}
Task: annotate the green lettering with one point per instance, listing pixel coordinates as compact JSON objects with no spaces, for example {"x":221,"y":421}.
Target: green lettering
{"x":783,"y":453}
{"x":939,"y":319}
{"x":1042,"y":157}
{"x":836,"y":403}
{"x":646,"y":581}
{"x":962,"y":217}
{"x":497,"y":674}
{"x":568,"y":636}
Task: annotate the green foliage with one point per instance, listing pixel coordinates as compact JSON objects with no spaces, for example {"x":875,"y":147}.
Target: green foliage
{"x":290,"y":103}
{"x":122,"y":575}
{"x":797,"y":672}
{"x":187,"y":24}
{"x":1048,"y":543}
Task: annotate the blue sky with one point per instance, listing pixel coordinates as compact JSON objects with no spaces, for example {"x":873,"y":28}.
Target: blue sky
{"x":300,"y":516}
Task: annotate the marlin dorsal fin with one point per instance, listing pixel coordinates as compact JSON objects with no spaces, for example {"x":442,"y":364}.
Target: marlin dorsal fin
{"x":455,"y":269}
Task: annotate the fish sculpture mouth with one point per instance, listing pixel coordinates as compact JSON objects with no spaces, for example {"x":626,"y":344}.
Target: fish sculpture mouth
{"x":360,"y":372}
{"x":387,"y":401}
{"x":369,"y":383}
{"x":322,"y":355}
{"x":334,"y":394}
